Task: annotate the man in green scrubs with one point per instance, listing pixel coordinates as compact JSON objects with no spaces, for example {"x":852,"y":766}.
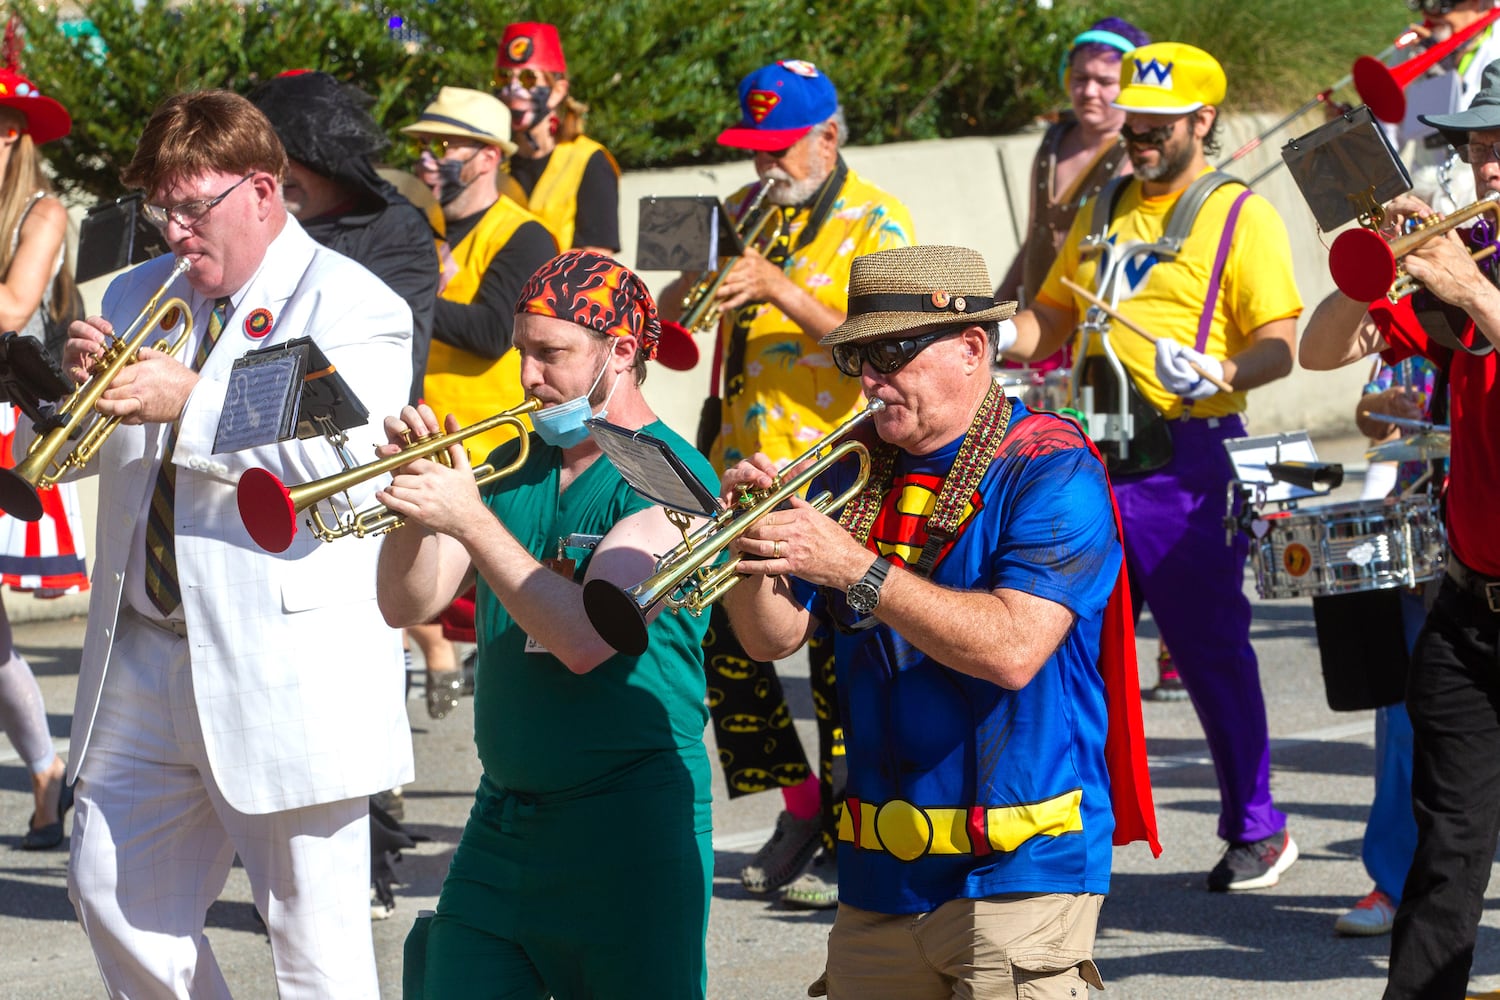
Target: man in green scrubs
{"x":589,"y":755}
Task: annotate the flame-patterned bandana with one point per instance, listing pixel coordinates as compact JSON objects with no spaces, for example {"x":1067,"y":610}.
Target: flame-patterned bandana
{"x":596,"y":292}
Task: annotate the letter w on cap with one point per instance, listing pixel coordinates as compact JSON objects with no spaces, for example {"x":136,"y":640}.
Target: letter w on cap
{"x":1161,"y":71}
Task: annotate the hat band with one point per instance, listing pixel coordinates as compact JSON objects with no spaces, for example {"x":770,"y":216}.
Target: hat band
{"x":935,"y":302}
{"x":445,"y":120}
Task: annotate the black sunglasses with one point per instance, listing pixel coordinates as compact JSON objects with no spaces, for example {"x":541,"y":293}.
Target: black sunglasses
{"x":885,"y":356}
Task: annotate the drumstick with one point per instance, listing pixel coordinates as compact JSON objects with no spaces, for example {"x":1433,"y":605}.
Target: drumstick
{"x":1099,"y":303}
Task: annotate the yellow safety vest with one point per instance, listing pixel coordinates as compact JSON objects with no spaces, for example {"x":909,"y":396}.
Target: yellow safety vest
{"x":459,"y":381}
{"x":555,"y":197}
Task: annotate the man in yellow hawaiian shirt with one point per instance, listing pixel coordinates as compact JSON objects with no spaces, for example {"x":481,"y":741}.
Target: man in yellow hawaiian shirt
{"x":778,"y":393}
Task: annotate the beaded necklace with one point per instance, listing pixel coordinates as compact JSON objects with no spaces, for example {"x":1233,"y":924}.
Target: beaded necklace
{"x":978,"y":450}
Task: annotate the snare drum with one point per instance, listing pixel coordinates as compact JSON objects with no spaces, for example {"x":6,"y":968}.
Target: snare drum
{"x":1343,"y":548}
{"x":1039,"y":390}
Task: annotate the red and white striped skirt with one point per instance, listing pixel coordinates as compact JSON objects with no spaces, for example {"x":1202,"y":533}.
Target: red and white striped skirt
{"x":43,"y":557}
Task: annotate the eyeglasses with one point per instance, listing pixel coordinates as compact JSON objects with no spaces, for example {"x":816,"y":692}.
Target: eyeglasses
{"x":439,"y":147}
{"x":1432,"y":6}
{"x":1479,"y":152}
{"x":189,"y":213}
{"x":885,"y":356}
{"x":526,"y":77}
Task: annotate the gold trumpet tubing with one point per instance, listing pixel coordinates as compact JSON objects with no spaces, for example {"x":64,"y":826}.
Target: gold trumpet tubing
{"x":687,"y":567}
{"x":101,"y":427}
{"x":378,"y":519}
{"x":700,"y":310}
{"x":369,"y":521}
{"x":40,"y":467}
{"x":1403,"y":245}
{"x":715,"y":583}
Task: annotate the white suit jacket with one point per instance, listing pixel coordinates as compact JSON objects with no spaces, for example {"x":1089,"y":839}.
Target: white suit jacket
{"x":298,"y":680}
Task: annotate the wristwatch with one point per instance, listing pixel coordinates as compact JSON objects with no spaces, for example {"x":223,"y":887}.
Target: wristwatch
{"x":863,"y":594}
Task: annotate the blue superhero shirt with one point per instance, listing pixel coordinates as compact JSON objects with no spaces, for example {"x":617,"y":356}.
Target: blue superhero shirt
{"x":957,"y":787}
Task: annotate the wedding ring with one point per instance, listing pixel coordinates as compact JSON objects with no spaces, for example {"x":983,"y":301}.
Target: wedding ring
{"x":776,"y":549}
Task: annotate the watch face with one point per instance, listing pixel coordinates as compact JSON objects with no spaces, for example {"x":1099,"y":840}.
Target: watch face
{"x":862,"y":597}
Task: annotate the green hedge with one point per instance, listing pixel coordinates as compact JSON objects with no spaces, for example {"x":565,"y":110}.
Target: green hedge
{"x":660,"y":77}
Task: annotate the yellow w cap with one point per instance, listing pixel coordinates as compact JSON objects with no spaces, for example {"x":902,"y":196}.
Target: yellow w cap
{"x":1169,"y":78}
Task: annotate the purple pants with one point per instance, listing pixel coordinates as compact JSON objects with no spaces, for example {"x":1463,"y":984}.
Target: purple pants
{"x":1193,"y":582}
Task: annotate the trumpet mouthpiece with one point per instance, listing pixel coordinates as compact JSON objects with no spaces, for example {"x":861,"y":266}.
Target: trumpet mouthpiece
{"x":266,"y":509}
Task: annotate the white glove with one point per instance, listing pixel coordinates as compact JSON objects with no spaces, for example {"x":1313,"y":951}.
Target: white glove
{"x":1174,"y":370}
{"x":1005,"y":337}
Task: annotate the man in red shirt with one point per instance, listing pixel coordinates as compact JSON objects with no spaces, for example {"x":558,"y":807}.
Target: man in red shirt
{"x":1453,"y":692}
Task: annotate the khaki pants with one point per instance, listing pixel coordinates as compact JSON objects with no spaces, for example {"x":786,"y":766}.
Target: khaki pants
{"x":1030,"y":947}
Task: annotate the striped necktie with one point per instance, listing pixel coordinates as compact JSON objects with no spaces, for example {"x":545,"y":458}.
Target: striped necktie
{"x":161,"y":542}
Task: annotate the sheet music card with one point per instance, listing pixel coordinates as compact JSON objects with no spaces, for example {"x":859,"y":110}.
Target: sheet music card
{"x":287,"y":390}
{"x":653,"y":469}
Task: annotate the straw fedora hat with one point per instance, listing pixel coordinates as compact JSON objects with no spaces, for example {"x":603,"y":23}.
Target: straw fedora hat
{"x":468,"y":114}
{"x":917,"y":289}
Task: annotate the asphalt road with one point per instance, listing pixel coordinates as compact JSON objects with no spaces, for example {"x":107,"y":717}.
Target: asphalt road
{"x":1162,"y":934}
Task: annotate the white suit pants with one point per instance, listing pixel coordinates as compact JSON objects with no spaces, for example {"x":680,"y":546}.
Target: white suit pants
{"x":153,"y":841}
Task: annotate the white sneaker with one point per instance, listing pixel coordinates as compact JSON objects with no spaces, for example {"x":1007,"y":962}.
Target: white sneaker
{"x":1372,"y":916}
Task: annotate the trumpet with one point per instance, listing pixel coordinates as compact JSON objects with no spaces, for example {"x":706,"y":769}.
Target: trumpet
{"x":269,"y":508}
{"x":759,"y":226}
{"x":76,"y":419}
{"x":1365,"y":267}
{"x":685,"y":578}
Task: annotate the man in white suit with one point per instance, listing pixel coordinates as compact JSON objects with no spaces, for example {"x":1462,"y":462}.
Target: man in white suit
{"x":238,"y":702}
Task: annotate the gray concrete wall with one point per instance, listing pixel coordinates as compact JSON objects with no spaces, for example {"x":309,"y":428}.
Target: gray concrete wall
{"x":965,"y":192}
{"x":973,"y":192}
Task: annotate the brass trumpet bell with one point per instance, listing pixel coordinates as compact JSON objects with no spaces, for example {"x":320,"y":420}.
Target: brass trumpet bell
{"x":1365,"y":267}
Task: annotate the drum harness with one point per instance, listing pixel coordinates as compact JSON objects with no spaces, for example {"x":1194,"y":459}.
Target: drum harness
{"x":1115,"y":429}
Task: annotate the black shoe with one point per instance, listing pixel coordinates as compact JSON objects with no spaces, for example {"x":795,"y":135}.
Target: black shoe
{"x":468,"y":668}
{"x":44,"y":838}
{"x":1257,"y":864}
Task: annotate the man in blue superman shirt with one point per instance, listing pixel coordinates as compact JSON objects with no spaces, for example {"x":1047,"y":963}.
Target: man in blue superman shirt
{"x":985,"y":657}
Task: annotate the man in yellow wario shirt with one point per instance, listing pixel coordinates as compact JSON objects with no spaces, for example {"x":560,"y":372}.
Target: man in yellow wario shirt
{"x":489,"y":246}
{"x":572,"y":183}
{"x":1227,"y":303}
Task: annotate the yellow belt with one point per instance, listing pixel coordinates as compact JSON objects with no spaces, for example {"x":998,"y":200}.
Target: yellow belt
{"x":909,"y":832}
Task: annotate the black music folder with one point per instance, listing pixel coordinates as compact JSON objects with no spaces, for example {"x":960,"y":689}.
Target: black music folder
{"x":284,"y":391}
{"x":685,"y":233}
{"x":651,"y":468}
{"x":1345,"y":167}
{"x":115,"y":235}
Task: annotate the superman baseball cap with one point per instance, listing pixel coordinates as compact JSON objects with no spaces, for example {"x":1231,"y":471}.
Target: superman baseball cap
{"x":781,"y":103}
{"x":1169,"y":78}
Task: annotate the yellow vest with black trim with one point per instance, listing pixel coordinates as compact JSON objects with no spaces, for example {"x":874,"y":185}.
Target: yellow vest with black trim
{"x":459,"y":381}
{"x":555,"y":197}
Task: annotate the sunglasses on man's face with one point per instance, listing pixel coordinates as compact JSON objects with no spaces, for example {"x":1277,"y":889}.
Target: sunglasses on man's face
{"x":885,"y":356}
{"x":439,"y":148}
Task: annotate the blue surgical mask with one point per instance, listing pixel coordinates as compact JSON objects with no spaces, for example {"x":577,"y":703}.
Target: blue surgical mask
{"x":562,"y":426}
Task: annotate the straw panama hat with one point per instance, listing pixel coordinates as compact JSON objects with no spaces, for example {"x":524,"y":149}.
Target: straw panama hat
{"x":917,"y":289}
{"x":467,"y":114}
